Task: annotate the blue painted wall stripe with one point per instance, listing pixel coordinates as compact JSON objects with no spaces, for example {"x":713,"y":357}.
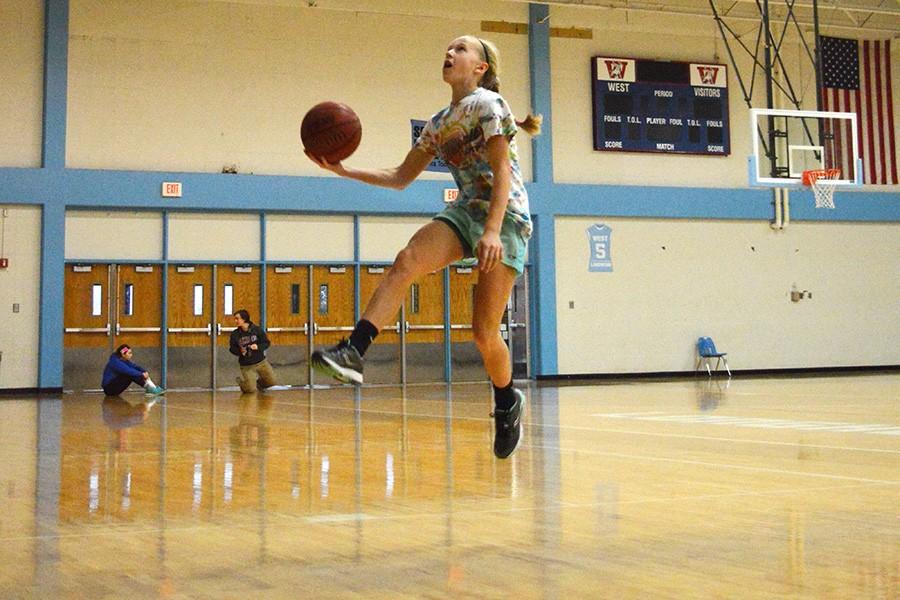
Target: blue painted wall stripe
{"x":56,"y":67}
{"x":541,"y":102}
{"x":448,"y":347}
{"x":543,"y":325}
{"x":138,"y":190}
{"x":164,"y":311}
{"x":50,"y":342}
{"x":356,"y":270}
{"x":263,"y":272}
{"x":542,"y":303}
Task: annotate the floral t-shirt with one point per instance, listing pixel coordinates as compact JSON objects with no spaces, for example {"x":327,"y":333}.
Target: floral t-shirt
{"x":458,"y":134}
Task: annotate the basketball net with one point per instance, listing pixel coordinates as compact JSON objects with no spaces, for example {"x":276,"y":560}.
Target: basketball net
{"x":822,"y":182}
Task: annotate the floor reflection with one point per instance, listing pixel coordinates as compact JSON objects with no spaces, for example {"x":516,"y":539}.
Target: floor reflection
{"x":394,"y":491}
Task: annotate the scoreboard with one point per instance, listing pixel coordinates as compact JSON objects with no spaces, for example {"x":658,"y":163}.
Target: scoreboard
{"x":660,"y":106}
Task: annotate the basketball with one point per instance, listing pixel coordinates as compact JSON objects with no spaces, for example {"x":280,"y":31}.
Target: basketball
{"x":331,"y":130}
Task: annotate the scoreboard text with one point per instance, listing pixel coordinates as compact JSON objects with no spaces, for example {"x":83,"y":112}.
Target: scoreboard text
{"x":656,"y":106}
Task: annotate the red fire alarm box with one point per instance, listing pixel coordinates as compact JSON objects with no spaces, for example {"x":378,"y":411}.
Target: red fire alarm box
{"x":4,"y":262}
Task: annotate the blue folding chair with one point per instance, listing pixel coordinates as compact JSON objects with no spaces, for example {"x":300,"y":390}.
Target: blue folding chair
{"x":706,"y":349}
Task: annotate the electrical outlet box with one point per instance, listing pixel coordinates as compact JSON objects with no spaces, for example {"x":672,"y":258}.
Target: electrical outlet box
{"x":15,"y":307}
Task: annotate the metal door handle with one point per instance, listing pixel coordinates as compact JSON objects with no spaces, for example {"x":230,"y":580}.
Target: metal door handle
{"x":304,"y":329}
{"x":207,"y":330}
{"x":455,"y":326}
{"x":330,"y":328}
{"x":120,"y":329}
{"x":423,"y":327}
{"x":218,"y":329}
{"x":88,"y":329}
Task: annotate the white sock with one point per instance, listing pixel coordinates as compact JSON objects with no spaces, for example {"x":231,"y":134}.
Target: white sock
{"x":149,"y":384}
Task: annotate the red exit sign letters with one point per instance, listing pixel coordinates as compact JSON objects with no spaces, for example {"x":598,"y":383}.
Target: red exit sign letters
{"x":171,"y":189}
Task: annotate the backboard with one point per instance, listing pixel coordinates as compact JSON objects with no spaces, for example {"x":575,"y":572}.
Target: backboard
{"x":788,"y":142}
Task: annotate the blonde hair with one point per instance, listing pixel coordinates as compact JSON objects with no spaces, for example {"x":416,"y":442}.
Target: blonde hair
{"x":491,"y":81}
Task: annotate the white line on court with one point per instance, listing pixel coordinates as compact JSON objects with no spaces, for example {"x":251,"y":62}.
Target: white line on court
{"x":339,"y":518}
{"x":760,"y":423}
{"x":713,"y":464}
{"x":729,"y":440}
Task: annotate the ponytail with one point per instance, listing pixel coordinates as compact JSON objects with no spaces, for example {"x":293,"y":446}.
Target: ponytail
{"x":531,"y":124}
{"x":491,"y":81}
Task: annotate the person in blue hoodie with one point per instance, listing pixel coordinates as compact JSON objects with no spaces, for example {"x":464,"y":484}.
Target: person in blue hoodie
{"x":120,"y":372}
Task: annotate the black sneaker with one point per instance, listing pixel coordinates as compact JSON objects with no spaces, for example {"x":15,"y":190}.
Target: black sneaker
{"x":342,"y":362}
{"x":508,"y":426}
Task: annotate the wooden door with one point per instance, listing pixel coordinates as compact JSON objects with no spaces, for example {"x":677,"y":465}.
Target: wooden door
{"x":465,"y":360}
{"x":237,"y":287}
{"x":87,"y":325}
{"x":137,"y":302}
{"x":332,"y":305}
{"x":383,"y":358}
{"x":190,"y":326}
{"x":287,"y":322}
{"x":424,"y":311}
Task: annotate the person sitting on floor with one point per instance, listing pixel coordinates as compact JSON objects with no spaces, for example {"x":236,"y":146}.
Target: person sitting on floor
{"x":120,"y":373}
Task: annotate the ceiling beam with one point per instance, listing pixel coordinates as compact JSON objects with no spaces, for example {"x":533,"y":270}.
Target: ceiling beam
{"x":688,"y":12}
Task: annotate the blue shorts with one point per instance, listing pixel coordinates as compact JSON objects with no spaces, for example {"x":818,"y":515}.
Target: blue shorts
{"x":469,"y":230}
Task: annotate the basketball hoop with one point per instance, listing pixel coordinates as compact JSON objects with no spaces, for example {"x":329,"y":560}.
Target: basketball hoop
{"x":822,"y":182}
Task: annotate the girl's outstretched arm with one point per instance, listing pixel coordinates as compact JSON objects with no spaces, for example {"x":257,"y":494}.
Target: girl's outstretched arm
{"x":396,"y":177}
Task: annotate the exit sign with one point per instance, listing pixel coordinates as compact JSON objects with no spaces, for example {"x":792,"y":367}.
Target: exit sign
{"x":171,"y":189}
{"x":450,"y":194}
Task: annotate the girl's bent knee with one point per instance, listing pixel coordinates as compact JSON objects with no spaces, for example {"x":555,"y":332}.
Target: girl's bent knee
{"x":485,"y":336}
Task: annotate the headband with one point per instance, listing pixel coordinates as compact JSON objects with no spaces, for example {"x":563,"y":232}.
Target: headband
{"x":487,"y":57}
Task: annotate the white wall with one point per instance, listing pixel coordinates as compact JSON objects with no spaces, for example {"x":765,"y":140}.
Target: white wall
{"x":303,"y":237}
{"x":21,"y":82}
{"x":113,"y":235}
{"x":381,"y":238}
{"x":194,"y":86}
{"x":20,"y":284}
{"x":214,"y":236}
{"x":674,"y":281}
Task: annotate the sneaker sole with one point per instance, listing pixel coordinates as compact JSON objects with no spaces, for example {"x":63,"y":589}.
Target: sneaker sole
{"x":328,"y":367}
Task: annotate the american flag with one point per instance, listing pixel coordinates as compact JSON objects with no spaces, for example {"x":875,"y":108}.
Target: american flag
{"x":856,"y":77}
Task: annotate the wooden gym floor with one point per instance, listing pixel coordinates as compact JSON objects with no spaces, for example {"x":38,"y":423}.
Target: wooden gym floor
{"x":753,"y":488}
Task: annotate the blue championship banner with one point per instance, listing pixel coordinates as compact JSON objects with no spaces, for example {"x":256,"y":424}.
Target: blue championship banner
{"x":437,"y":164}
{"x":600,"y":240}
